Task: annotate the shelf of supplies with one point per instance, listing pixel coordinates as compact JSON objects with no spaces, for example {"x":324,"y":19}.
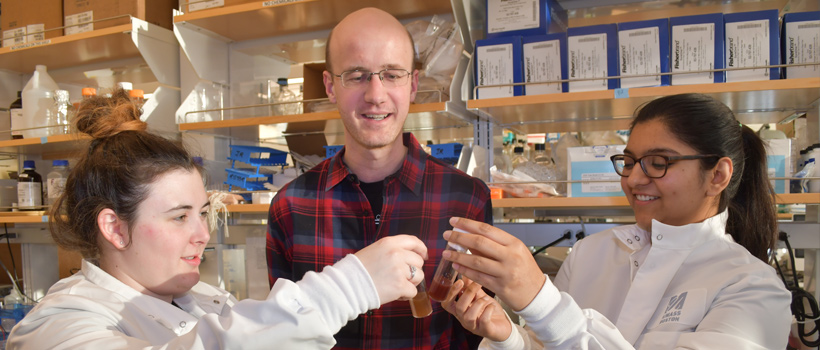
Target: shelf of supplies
{"x":754,"y":102}
{"x":262,"y":19}
{"x":100,"y":45}
{"x":561,"y":202}
{"x":51,"y":147}
{"x":427,"y":121}
{"x":617,"y":202}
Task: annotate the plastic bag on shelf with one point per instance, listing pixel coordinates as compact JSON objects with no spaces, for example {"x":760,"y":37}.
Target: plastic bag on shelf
{"x":559,"y":155}
{"x":522,"y":190}
{"x":602,"y":138}
{"x":438,"y":49}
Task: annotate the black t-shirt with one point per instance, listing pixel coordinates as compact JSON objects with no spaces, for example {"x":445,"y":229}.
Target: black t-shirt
{"x":373,"y":191}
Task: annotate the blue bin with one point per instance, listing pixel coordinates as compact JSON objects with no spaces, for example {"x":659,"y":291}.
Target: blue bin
{"x":447,"y":152}
{"x":248,"y":179}
{"x":258,"y":156}
{"x":331,"y":151}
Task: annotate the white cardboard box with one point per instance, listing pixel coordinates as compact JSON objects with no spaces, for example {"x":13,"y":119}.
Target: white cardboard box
{"x":592,"y":163}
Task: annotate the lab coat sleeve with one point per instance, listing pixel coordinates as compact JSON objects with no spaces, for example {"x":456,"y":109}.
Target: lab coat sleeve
{"x":520,"y":338}
{"x":300,"y":315}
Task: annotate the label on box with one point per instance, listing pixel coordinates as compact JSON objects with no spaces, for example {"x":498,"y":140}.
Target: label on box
{"x":803,"y":46}
{"x":747,"y":45}
{"x":693,"y":49}
{"x":510,"y":15}
{"x":542,"y":62}
{"x":600,"y":187}
{"x":14,"y":36}
{"x":587,"y":59}
{"x":278,"y":2}
{"x":35,"y":32}
{"x":79,"y":23}
{"x":495,"y":66}
{"x":639,"y":50}
{"x":201,"y":5}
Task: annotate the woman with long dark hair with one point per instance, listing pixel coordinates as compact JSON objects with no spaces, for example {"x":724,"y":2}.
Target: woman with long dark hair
{"x":691,"y":273}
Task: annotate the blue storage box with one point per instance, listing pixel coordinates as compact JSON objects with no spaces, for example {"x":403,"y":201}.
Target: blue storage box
{"x":258,"y":156}
{"x":523,"y":17}
{"x":644,"y":49}
{"x":697,"y":45}
{"x":801,"y":33}
{"x":498,"y":61}
{"x":752,"y":40}
{"x":331,"y":151}
{"x":545,"y":59}
{"x":447,"y":152}
{"x":593,"y":53}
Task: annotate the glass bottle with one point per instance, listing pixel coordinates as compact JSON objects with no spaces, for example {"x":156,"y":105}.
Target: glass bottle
{"x":519,"y":158}
{"x":29,"y":187}
{"x":16,"y":116}
{"x":282,"y":95}
{"x":55,"y":180}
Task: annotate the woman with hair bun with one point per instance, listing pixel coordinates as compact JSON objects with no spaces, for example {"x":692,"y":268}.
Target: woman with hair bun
{"x":691,"y":273}
{"x":135,"y":206}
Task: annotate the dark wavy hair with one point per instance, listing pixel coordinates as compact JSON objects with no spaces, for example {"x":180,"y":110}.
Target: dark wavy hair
{"x":122,"y":160}
{"x":710,"y":127}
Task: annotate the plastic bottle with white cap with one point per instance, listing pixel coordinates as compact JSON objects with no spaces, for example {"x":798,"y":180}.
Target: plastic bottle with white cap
{"x":445,"y":273}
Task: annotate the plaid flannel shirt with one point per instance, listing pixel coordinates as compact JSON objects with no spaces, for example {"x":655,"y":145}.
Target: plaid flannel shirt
{"x":322,"y":215}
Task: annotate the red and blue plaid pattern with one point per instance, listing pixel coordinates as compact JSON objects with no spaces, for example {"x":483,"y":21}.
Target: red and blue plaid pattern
{"x":322,"y":216}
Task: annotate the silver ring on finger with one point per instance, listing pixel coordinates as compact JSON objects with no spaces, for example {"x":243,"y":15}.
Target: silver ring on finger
{"x":412,"y":271}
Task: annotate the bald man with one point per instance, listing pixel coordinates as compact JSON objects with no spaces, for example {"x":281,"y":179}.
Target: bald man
{"x":380,"y":184}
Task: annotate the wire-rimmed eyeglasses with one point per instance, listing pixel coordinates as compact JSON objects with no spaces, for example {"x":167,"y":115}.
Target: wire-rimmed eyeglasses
{"x":390,"y":77}
{"x":653,"y":165}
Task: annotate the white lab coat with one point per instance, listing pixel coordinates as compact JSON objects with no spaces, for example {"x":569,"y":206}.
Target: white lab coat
{"x":93,"y":310}
{"x":693,"y":287}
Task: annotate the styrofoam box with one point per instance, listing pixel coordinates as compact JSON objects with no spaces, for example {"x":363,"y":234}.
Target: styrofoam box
{"x":778,"y":162}
{"x":498,"y":61}
{"x":643,"y":48}
{"x":545,"y":60}
{"x":593,"y":163}
{"x":697,"y":45}
{"x":752,"y":40}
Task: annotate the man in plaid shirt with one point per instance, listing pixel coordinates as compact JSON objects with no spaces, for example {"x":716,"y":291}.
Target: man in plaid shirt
{"x":380,"y":184}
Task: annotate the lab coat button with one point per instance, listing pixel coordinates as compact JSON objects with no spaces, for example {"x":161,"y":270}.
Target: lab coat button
{"x":629,"y":241}
{"x":182,"y":324}
{"x":638,"y":238}
{"x":216,"y":302}
{"x":659,"y":237}
{"x":636,"y":263}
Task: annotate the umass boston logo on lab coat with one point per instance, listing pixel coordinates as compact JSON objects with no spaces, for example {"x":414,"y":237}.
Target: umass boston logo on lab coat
{"x":674,"y":308}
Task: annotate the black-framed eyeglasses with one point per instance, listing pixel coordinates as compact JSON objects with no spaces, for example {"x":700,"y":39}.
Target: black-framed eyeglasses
{"x":653,"y":165}
{"x":390,"y":77}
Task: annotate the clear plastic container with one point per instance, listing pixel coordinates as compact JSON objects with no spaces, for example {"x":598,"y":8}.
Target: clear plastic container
{"x":55,"y":180}
{"x":37,"y":102}
{"x":518,"y":157}
{"x":60,"y":113}
{"x":445,"y":274}
{"x":420,"y":304}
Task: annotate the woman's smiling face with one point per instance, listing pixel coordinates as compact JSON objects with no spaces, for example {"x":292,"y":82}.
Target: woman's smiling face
{"x":678,"y":198}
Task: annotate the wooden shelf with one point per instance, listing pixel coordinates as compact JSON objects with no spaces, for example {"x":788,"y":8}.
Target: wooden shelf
{"x":23,"y":217}
{"x":562,"y":202}
{"x":264,"y":19}
{"x":51,"y":147}
{"x":426,"y":121}
{"x":754,"y":102}
{"x":617,"y":202}
{"x":107,"y":44}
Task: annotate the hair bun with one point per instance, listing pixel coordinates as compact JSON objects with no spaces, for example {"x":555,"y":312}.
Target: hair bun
{"x":102,"y":117}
